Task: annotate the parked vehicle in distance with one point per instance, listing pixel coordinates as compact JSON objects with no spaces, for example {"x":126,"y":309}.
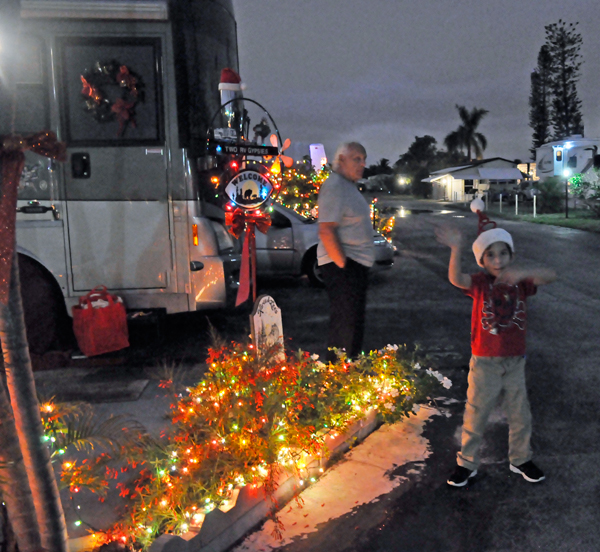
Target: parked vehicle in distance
{"x":289,"y":248}
{"x":524,"y":192}
{"x":508,"y":196}
{"x":527,"y":190}
{"x":371,"y":187}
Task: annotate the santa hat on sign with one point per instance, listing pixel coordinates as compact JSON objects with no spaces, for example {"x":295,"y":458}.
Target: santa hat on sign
{"x":230,"y":80}
{"x":490,"y":236}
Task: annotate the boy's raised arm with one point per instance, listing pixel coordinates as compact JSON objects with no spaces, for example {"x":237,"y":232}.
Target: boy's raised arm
{"x":452,"y":237}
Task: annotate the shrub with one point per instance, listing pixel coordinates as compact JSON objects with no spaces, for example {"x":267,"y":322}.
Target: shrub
{"x":420,"y":188}
{"x":551,"y":195}
{"x":586,"y":187}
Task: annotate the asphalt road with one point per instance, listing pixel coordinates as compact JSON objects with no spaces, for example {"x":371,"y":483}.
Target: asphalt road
{"x":413,"y":302}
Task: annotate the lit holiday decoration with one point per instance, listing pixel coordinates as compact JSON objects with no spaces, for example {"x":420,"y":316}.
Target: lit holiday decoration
{"x":287,"y":161}
{"x":299,"y":188}
{"x":249,"y":422}
{"x":111,"y":91}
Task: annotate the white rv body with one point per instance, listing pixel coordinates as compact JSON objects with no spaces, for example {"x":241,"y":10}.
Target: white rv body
{"x":126,"y":209}
{"x":575,"y":155}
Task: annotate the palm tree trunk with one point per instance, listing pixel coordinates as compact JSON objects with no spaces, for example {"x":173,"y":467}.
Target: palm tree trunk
{"x":21,"y":386}
{"x":14,"y":485}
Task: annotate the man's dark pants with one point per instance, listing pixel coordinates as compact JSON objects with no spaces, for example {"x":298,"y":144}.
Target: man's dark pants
{"x":347,"y":290}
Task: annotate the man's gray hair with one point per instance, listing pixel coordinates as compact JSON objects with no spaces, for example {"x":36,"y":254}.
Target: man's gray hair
{"x":344,"y":149}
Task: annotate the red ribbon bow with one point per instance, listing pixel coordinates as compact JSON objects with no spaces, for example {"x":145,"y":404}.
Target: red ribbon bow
{"x":12,"y":160}
{"x":124,"y":113}
{"x":238,"y":221}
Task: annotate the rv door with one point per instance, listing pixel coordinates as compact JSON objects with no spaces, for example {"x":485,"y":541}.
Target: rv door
{"x":116,"y":178}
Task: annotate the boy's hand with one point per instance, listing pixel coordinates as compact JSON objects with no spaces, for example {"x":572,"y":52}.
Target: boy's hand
{"x":450,"y":236}
{"x":512,"y":275}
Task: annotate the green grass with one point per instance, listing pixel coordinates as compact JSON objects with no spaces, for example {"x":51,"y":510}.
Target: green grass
{"x":580,"y":219}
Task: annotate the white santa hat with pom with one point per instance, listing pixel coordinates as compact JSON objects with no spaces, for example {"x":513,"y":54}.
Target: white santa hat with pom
{"x":487,"y":237}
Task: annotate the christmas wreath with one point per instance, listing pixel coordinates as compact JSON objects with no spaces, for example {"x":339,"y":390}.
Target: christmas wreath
{"x":106,"y":104}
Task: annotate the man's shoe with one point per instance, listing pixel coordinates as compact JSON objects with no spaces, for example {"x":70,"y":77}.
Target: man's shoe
{"x":461,"y":476}
{"x":529,"y":471}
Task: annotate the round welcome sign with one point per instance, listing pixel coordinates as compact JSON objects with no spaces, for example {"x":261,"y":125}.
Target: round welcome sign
{"x":249,"y":189}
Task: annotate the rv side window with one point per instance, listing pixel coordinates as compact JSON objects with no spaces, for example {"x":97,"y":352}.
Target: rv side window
{"x":111,"y":90}
{"x":31,"y":113}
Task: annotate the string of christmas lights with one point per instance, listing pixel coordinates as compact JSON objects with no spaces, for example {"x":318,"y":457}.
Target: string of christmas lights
{"x":250,"y":421}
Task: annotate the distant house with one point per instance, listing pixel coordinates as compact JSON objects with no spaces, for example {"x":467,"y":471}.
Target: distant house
{"x":461,"y":183}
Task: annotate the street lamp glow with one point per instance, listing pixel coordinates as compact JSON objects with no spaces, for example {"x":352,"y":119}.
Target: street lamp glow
{"x":566,"y":172}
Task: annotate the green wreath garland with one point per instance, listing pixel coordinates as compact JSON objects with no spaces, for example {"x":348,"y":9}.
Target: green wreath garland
{"x":99,"y":102}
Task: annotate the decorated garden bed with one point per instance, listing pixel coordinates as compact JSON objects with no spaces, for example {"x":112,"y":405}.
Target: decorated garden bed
{"x":250,"y":436}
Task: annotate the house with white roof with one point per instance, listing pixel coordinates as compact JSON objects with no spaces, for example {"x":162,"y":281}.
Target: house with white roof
{"x":461,"y":183}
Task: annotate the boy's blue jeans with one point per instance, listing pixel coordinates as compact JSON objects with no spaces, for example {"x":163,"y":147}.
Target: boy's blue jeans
{"x":488,"y":376}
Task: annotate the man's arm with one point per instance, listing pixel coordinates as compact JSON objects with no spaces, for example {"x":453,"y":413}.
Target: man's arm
{"x":331,"y":241}
{"x":453,"y":239}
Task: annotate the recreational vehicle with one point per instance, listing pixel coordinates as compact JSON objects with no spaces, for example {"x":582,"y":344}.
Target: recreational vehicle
{"x":130,"y":87}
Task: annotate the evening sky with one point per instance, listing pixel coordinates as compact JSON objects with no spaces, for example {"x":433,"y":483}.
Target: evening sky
{"x":384,"y":71}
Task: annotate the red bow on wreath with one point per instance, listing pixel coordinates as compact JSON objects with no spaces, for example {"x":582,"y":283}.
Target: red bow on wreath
{"x":124,"y":113}
{"x":238,"y":221}
{"x":12,"y":160}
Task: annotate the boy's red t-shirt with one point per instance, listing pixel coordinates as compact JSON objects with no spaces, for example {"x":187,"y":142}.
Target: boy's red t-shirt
{"x":498,"y":318}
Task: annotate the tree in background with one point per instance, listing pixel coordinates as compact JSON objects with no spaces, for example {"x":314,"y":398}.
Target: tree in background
{"x":466,"y":137}
{"x":540,"y":99}
{"x":564,"y":45}
{"x":421,"y":159}
{"x":417,"y":162}
{"x":382,"y":167}
{"x":421,"y":153}
{"x":419,"y":187}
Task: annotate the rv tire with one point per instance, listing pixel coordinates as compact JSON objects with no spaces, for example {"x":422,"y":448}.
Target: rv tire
{"x":48,"y":324}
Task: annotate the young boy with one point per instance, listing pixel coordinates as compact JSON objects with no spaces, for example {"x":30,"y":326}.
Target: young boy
{"x":498,"y":322}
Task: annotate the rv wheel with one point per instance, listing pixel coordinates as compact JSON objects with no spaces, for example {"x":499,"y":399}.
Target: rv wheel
{"x":46,"y":319}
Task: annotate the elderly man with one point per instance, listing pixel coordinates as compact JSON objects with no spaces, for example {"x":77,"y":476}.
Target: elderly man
{"x":345,"y":250}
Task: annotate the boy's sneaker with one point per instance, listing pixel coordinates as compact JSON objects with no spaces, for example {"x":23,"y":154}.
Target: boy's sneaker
{"x":461,"y":476}
{"x":529,"y":471}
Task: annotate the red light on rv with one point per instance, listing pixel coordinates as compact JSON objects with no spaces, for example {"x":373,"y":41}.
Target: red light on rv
{"x":195,"y":234}
{"x":234,"y":165}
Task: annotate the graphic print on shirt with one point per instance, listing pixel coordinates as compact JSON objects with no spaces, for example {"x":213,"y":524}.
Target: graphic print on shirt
{"x":502,"y":308}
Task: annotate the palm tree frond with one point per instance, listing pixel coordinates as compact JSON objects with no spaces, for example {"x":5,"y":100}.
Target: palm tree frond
{"x":84,"y":433}
{"x":481,"y":139}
